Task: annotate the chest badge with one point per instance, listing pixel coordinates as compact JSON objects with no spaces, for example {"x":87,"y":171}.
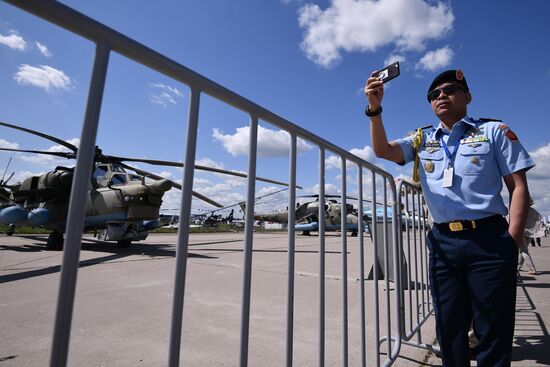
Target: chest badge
{"x":475,"y":160}
{"x":429,"y":166}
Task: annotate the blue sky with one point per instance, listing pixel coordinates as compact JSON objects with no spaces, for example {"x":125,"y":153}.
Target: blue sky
{"x":306,"y":61}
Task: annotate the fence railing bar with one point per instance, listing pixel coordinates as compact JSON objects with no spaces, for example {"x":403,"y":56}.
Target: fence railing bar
{"x":344,"y":235}
{"x":409,"y":277}
{"x":397,"y":252}
{"x":386,"y":264}
{"x":77,"y":207}
{"x":248,"y":242}
{"x":421,"y":230}
{"x":360,"y":228}
{"x":375,"y":271}
{"x":321,"y":356}
{"x":183,"y":232}
{"x":291,"y":253}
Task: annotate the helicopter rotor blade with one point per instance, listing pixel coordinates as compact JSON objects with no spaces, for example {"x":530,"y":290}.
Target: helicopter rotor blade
{"x":334,"y":196}
{"x":42,"y":135}
{"x":6,"y":170}
{"x":68,"y":155}
{"x":199,"y":167}
{"x":174,"y":184}
{"x":239,"y":203}
{"x":4,"y":183}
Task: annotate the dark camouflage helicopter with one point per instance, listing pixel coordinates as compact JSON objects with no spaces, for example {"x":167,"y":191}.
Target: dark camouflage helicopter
{"x":121,"y":206}
{"x":307,"y":215}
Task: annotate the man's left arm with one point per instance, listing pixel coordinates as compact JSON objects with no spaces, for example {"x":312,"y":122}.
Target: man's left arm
{"x":519,"y":204}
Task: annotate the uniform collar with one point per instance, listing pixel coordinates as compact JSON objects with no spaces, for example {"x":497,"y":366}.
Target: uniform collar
{"x":466,"y":120}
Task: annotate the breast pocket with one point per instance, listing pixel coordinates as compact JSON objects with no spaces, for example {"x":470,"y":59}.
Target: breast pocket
{"x":473,"y":158}
{"x":431,"y":164}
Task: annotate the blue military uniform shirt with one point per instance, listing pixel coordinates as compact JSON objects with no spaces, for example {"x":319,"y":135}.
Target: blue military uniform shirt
{"x":481,"y":154}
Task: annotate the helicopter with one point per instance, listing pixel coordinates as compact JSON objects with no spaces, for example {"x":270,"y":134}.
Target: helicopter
{"x":121,"y":206}
{"x":306,"y":216}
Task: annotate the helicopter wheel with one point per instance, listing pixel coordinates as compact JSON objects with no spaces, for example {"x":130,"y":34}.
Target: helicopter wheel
{"x":55,"y":241}
{"x":123,"y":243}
{"x":305,"y":233}
{"x":354,"y":234}
{"x":11,"y":230}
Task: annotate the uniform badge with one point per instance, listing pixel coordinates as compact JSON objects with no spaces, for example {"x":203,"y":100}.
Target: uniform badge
{"x":429,"y":166}
{"x":475,"y":160}
{"x":511,"y":136}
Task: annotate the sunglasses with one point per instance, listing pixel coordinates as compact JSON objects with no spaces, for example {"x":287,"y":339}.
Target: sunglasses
{"x":448,"y":90}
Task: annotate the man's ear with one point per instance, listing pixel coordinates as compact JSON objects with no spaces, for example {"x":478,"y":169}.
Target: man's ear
{"x":468,"y":98}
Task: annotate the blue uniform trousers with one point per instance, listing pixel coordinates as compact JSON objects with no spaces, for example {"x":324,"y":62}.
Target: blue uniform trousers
{"x":473,"y":277}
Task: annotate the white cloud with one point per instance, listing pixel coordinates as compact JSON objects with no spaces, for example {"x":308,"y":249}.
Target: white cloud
{"x":43,"y":49}
{"x":14,"y":41}
{"x":271,"y":143}
{"x":7,"y":144}
{"x":395,"y":57}
{"x":437,"y":59}
{"x":365,"y":153}
{"x":43,"y":76}
{"x":330,"y":189}
{"x":538,"y":178}
{"x":207,"y":162}
{"x":366,"y":25}
{"x":164,"y":95}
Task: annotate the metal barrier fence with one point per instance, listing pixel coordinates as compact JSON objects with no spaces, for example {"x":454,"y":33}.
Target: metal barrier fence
{"x":394,"y":329}
{"x":416,"y":305}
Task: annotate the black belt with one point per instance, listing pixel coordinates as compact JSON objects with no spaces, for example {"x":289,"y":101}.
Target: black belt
{"x":463,"y":225}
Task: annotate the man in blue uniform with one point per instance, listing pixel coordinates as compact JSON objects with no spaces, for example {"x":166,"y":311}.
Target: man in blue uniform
{"x":461,"y":164}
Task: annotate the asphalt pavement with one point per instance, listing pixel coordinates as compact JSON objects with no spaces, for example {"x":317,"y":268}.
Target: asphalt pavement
{"x":123,"y":305}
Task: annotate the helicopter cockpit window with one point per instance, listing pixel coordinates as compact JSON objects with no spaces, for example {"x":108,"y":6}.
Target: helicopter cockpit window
{"x":135,"y":178}
{"x":116,"y":168}
{"x":118,"y":179}
{"x":99,"y":173}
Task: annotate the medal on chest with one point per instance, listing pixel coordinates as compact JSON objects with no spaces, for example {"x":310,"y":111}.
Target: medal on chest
{"x":429,"y":166}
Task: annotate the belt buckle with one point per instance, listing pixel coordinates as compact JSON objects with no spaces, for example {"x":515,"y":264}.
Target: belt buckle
{"x":456,"y":226}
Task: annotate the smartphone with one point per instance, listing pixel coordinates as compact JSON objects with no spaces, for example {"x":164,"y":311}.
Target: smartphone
{"x":388,"y":73}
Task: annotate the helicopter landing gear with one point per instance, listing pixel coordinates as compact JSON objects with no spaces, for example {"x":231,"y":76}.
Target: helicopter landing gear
{"x":55,"y":241}
{"x":306,"y":233}
{"x":353,"y":233}
{"x":123,"y":243}
{"x":11,"y":230}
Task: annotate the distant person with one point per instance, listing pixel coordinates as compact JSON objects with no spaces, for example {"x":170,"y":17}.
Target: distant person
{"x":533,"y":241}
{"x":461,"y":164}
{"x":532,"y":227}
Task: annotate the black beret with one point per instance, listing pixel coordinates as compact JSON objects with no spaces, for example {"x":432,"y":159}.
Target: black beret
{"x":449,"y":76}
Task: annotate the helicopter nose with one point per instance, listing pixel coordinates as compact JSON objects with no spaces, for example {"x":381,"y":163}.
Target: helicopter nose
{"x":160,"y":186}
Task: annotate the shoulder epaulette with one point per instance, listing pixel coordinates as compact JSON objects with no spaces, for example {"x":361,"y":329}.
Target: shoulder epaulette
{"x":485,"y":119}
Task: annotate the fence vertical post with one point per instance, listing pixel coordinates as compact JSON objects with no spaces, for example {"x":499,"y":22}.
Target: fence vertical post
{"x":248,"y":242}
{"x":291,"y":255}
{"x":183,"y":232}
{"x":77,"y":207}
{"x":344,"y":234}
{"x":321,"y":257}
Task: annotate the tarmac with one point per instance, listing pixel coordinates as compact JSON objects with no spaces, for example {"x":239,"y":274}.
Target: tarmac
{"x":123,"y":305}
